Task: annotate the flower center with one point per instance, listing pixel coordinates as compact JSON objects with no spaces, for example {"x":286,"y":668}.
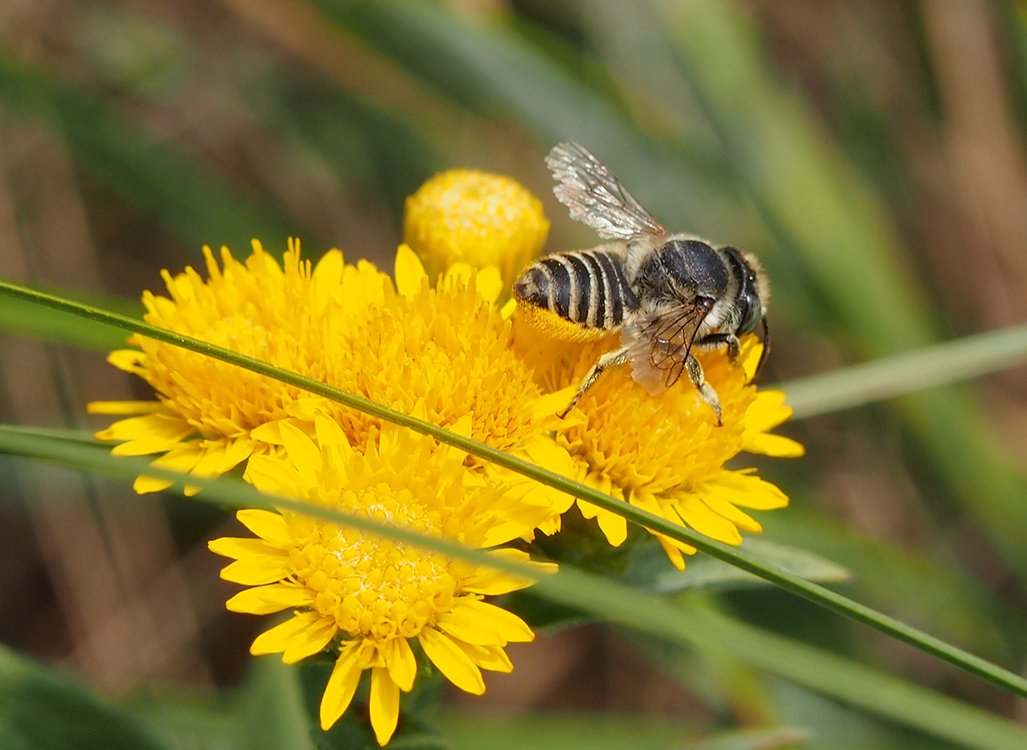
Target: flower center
{"x":373,"y":586}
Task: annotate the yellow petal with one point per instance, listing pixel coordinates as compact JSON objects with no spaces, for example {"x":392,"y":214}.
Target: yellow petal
{"x":237,"y":451}
{"x":124,"y":407}
{"x":271,"y":475}
{"x":257,"y":571}
{"x":328,"y":271}
{"x":269,"y":526}
{"x":400,"y":660}
{"x":328,"y":431}
{"x":492,"y":582}
{"x":129,"y":360}
{"x":492,"y":658}
{"x":266,"y":600}
{"x":240,"y":548}
{"x":693,"y":512}
{"x":180,"y":459}
{"x":303,"y":452}
{"x":384,"y":705}
{"x":775,"y":446}
{"x":484,"y":624}
{"x":452,"y":661}
{"x":269,"y":432}
{"x":310,"y":641}
{"x":280,"y":637}
{"x":410,"y":275}
{"x":614,"y":527}
{"x":749,"y":491}
{"x":722,"y":505}
{"x":153,"y":433}
{"x":489,"y":284}
{"x":508,"y":310}
{"x":341,"y":685}
{"x":673,"y":550}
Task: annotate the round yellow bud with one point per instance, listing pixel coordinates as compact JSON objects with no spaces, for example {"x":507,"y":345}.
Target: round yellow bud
{"x":474,"y":217}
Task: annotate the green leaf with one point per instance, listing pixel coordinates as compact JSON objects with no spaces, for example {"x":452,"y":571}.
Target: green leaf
{"x":43,"y":710}
{"x":271,"y":703}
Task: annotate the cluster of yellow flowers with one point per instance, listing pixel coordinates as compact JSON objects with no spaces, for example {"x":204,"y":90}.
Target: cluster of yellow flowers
{"x":444,"y":347}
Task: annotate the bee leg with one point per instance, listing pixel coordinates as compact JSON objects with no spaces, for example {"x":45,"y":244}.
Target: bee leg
{"x":727,"y":340}
{"x":608,"y":360}
{"x":706,"y":392}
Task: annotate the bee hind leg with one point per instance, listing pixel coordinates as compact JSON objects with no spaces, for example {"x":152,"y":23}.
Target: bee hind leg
{"x":706,"y":392}
{"x":605,"y":362}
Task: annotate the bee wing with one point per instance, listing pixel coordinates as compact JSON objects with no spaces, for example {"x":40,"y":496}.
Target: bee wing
{"x":595,"y":197}
{"x":658,"y":346}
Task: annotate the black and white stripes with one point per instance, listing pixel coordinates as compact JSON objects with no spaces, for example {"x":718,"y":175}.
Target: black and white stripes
{"x":586,"y":287}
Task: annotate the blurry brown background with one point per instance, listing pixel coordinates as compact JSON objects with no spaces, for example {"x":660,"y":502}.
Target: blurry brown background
{"x":133,"y":132}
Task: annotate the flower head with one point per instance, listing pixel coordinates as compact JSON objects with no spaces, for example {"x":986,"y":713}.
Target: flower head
{"x":207,"y":413}
{"x":363,"y":597}
{"x":482,"y":219}
{"x":444,"y":349}
{"x":665,"y":453}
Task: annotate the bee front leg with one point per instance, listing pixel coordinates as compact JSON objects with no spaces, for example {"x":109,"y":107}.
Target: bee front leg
{"x":695,"y":374}
{"x":608,"y":360}
{"x":727,"y":340}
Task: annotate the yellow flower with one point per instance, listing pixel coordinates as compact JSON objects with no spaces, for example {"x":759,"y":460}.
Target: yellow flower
{"x":482,"y":219}
{"x":207,"y":411}
{"x":447,"y":351}
{"x":366,"y":598}
{"x":665,"y":453}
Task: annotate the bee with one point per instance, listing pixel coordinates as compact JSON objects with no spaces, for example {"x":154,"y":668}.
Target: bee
{"x":667,"y":294}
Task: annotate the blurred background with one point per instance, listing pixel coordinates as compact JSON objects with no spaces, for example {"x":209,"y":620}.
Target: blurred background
{"x":872,"y":154}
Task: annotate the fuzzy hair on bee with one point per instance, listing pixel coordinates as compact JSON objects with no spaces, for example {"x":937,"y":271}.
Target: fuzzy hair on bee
{"x":667,"y":294}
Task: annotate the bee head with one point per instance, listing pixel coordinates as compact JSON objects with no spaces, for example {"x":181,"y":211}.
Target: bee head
{"x":752,"y":297}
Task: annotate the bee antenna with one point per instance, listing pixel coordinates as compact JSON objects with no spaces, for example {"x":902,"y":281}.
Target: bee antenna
{"x":765,"y":340}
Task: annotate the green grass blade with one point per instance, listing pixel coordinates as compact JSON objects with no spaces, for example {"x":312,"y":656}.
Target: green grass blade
{"x":907,"y":373}
{"x":852,"y":683}
{"x":813,"y":592}
{"x":634,"y":609}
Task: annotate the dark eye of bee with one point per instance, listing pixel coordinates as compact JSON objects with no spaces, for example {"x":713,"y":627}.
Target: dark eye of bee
{"x":750,"y":308}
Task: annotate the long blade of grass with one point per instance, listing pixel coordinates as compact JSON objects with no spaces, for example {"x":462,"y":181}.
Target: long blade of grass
{"x":811,"y":591}
{"x":911,"y":372}
{"x":639,"y":611}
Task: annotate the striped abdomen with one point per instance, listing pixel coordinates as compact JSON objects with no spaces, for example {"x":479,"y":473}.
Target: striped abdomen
{"x":585,"y":287}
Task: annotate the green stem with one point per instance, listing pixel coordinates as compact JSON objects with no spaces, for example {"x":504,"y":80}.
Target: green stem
{"x":811,"y":591}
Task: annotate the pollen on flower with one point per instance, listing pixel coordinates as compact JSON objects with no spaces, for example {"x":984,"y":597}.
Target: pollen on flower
{"x":362,"y":595}
{"x":477,"y":218}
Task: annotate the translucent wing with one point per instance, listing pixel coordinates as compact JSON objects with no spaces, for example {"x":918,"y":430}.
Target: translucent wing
{"x":658,"y":346}
{"x":595,"y":197}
